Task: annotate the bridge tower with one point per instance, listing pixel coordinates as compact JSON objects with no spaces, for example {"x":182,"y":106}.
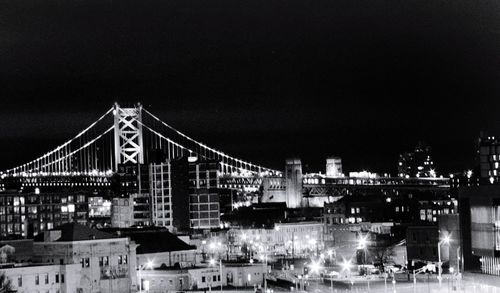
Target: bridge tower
{"x":293,"y":179}
{"x":128,"y":135}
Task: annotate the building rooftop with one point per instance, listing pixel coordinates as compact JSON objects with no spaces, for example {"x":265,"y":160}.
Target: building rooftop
{"x":75,"y":232}
{"x":154,"y":240}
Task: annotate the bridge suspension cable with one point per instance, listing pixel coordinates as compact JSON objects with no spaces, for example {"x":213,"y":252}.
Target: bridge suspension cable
{"x":69,"y":155}
{"x":226,"y":160}
{"x":59,"y":155}
{"x":95,"y":150}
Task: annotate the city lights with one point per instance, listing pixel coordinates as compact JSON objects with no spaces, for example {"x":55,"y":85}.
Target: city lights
{"x":338,"y":147}
{"x":346,"y":265}
{"x":315,"y":267}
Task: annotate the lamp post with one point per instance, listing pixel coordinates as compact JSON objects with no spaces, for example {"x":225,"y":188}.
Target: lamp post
{"x":331,"y":280}
{"x":212,"y":263}
{"x":149,"y":265}
{"x":264,"y":263}
{"x":346,"y":266}
{"x":445,"y":240}
{"x":330,"y":254}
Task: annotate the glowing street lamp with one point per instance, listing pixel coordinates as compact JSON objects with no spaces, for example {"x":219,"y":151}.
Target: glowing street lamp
{"x":346,"y":265}
{"x":362,"y":242}
{"x":212,"y":262}
{"x":145,"y":286}
{"x":315,"y":267}
{"x":445,"y":240}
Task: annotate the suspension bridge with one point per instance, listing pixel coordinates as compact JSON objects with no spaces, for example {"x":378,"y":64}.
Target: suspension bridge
{"x":127,"y":136}
{"x":133,"y":135}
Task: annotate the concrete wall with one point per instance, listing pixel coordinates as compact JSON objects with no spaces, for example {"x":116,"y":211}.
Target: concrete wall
{"x":274,"y":189}
{"x":162,"y":281}
{"x":203,"y":278}
{"x":23,"y":279}
{"x":114,"y":277}
{"x":235,"y":275}
{"x":240,"y":276}
{"x":122,"y":212}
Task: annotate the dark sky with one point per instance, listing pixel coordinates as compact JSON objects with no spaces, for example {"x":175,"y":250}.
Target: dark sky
{"x":260,"y":79}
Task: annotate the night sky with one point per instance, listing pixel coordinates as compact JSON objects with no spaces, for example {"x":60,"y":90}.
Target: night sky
{"x":259,"y":79}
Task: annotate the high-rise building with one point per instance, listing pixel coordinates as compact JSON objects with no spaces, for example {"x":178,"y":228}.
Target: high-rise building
{"x":134,"y":184}
{"x":25,"y":213}
{"x":169,"y":194}
{"x":417,"y":163}
{"x":204,"y":207}
{"x":489,"y":159}
{"x":185,"y":194}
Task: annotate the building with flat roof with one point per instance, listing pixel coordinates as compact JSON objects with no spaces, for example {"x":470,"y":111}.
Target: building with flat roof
{"x":170,"y":194}
{"x":30,"y":277}
{"x":157,"y":247}
{"x":107,"y":262}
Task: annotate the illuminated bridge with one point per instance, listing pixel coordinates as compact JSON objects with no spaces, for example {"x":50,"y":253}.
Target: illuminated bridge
{"x":121,"y":136}
{"x":131,"y":135}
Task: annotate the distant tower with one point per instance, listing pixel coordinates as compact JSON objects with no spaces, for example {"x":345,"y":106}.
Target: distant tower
{"x":333,"y":167}
{"x":293,"y":178}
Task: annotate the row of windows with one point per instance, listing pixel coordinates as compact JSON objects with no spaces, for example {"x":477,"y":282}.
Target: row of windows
{"x":204,"y":215}
{"x":204,"y":198}
{"x":104,"y":261}
{"x":58,"y":277}
{"x":215,"y":278}
{"x":402,"y":209}
{"x":204,"y":207}
{"x":40,"y":199}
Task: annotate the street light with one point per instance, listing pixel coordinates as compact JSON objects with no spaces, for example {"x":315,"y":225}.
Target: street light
{"x":315,"y":267}
{"x":212,"y":263}
{"x":149,"y":265}
{"x":445,"y":240}
{"x":332,"y":273}
{"x":346,"y":265}
{"x":362,"y":244}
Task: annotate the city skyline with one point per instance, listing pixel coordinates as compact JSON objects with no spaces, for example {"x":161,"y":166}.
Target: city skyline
{"x":262,"y":146}
{"x":312,"y":164}
{"x":356,"y":80}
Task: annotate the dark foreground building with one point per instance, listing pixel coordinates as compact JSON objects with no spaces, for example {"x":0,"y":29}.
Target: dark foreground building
{"x":480,"y":227}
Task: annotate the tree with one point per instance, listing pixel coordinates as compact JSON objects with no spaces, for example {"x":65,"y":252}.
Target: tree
{"x":5,"y":284}
{"x":381,"y":254}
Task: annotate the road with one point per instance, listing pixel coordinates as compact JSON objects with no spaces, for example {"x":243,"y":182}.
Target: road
{"x":378,"y":286}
